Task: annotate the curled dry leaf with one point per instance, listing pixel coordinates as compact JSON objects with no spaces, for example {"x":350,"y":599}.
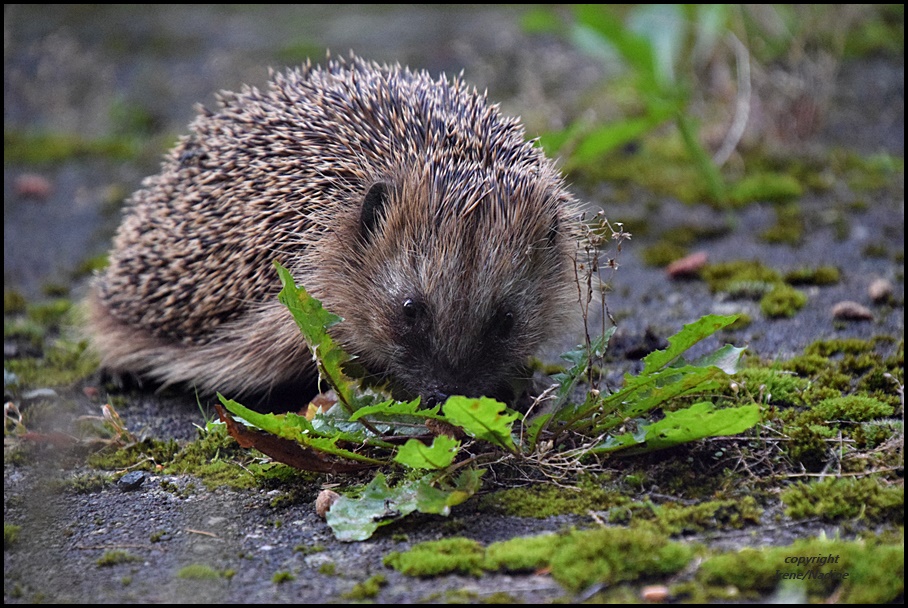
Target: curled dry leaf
{"x":287,"y":451}
{"x":440,"y":427}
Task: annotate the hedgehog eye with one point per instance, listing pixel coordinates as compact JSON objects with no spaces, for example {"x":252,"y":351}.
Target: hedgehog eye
{"x":502,"y":324}
{"x":412,"y":310}
{"x":372,"y":209}
{"x":414,"y":318}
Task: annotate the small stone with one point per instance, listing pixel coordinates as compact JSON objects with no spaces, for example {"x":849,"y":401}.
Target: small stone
{"x":851,"y":311}
{"x":32,"y":185}
{"x":655,"y":593}
{"x":91,"y":392}
{"x":323,"y":502}
{"x":131,"y":481}
{"x":880,"y":291}
{"x":688,"y":266}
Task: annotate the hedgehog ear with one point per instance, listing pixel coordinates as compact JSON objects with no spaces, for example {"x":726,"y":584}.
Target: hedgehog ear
{"x":373,"y":208}
{"x":553,"y":231}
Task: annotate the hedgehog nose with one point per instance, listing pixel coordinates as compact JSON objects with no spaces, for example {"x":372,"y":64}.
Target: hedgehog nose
{"x":435,"y":397}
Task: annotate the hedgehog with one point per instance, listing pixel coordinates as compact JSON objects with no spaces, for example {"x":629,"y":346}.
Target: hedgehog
{"x":412,"y":207}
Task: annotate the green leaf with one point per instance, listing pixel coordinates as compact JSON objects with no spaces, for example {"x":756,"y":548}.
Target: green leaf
{"x":297,"y":428}
{"x":417,"y":455}
{"x":604,"y":139}
{"x":314,"y":321}
{"x":354,"y":519}
{"x":482,"y":418}
{"x":579,"y":359}
{"x":696,"y":422}
{"x":689,"y":335}
{"x":288,"y":426}
{"x":390,"y":408}
{"x":726,"y":359}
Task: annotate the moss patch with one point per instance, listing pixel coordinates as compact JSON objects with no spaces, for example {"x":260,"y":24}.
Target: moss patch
{"x":198,"y":572}
{"x":450,"y":555}
{"x":577,"y":559}
{"x":846,"y":498}
{"x":854,"y":572}
{"x":782,"y":301}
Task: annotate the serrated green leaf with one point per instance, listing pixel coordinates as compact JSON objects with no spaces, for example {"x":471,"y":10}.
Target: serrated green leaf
{"x":696,"y":422}
{"x":689,"y":335}
{"x":532,"y":430}
{"x":579,"y":360}
{"x":482,"y":418}
{"x":297,"y":428}
{"x":699,"y":421}
{"x":726,"y":359}
{"x":314,"y":321}
{"x":391,"y":408}
{"x":354,"y":519}
{"x":288,"y":426}
{"x":417,"y":455}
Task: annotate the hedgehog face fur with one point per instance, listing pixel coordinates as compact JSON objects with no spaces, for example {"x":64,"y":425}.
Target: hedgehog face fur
{"x":411,"y":207}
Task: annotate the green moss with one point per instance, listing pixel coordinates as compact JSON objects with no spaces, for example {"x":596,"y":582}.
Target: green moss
{"x":788,"y":228}
{"x":613,"y":555}
{"x":87,"y":483}
{"x":13,"y":302}
{"x":577,"y":559}
{"x":740,"y":278}
{"x":157,"y":536}
{"x":853,"y":407}
{"x":91,"y":265}
{"x":216,"y":458}
{"x":521,"y":554}
{"x":765,"y":187}
{"x":198,"y":572}
{"x":367,"y":589}
{"x":328,"y":569}
{"x":40,"y":148}
{"x":874,"y":571}
{"x":546,"y":500}
{"x":662,"y":254}
{"x":10,"y":535}
{"x":142,"y":455}
{"x":675,"y":519}
{"x":282,"y":577}
{"x":869,"y":173}
{"x":773,"y":385}
{"x":660,"y":163}
{"x":782,"y":301}
{"x":846,"y":498}
{"x":449,"y":555}
{"x":64,"y":362}
{"x":822,"y":275}
{"x":116,"y":557}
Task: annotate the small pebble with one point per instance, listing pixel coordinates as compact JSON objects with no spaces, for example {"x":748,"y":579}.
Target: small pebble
{"x":131,"y":481}
{"x":323,"y":503}
{"x":655,"y":593}
{"x":32,"y":185}
{"x":688,"y":266}
{"x":851,"y":311}
{"x":880,"y":291}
